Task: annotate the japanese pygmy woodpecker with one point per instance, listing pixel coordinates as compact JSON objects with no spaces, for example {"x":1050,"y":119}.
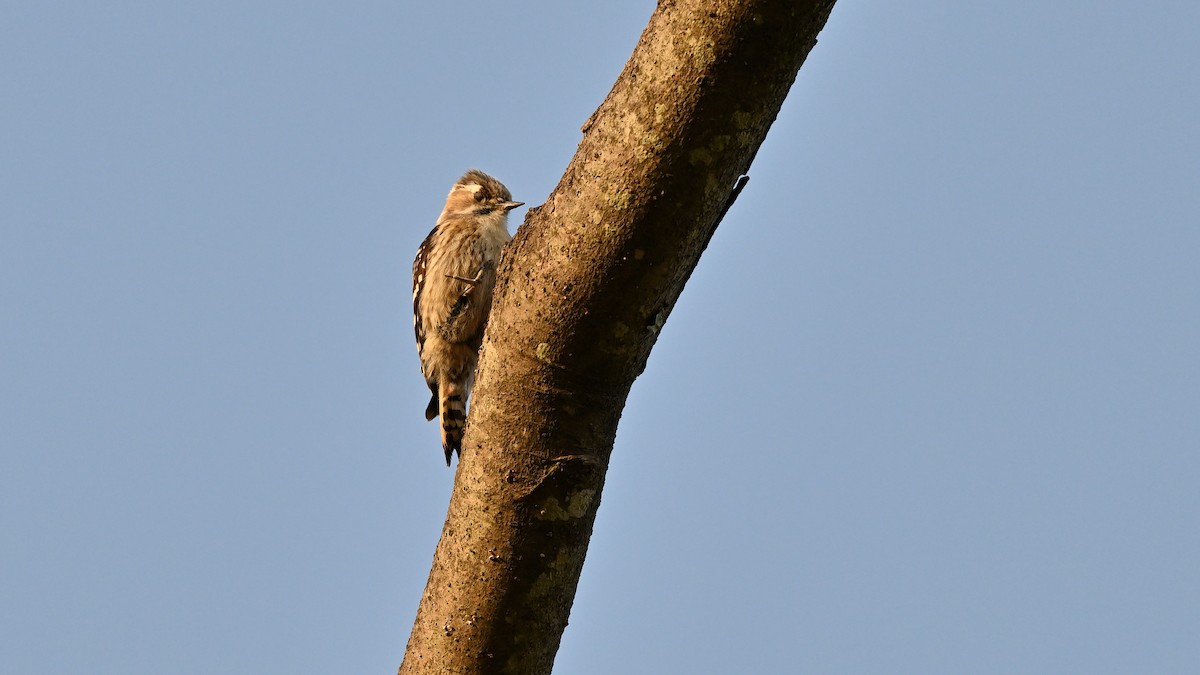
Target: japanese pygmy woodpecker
{"x":453,"y":278}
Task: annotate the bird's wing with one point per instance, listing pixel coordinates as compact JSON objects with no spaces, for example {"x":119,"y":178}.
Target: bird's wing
{"x":420,"y":269}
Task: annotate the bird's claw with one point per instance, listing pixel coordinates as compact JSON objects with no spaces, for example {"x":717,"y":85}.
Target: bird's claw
{"x":471,"y":283}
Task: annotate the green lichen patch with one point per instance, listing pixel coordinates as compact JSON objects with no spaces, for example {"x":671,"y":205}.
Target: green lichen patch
{"x":575,"y":508}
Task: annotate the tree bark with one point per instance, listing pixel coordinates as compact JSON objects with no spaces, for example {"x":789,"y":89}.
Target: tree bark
{"x":584,"y":290}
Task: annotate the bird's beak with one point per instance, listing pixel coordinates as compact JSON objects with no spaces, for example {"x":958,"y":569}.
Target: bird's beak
{"x":509,"y":206}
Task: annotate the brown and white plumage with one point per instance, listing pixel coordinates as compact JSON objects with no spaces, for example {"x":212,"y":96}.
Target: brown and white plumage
{"x":453,"y":278}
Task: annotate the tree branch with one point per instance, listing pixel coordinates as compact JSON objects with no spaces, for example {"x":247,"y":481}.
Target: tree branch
{"x":583,"y":292}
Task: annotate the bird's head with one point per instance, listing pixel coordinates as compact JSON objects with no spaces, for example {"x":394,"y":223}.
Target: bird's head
{"x":478,"y":194}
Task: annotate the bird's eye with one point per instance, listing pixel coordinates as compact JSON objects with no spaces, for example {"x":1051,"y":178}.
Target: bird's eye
{"x":479,"y":195}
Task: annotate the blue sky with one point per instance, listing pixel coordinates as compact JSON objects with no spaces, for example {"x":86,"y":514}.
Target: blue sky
{"x":930,"y":403}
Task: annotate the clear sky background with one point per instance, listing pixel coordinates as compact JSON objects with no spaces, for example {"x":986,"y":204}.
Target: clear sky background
{"x":930,"y":403}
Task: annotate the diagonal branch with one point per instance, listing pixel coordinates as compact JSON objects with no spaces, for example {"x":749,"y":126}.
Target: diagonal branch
{"x":584,"y":290}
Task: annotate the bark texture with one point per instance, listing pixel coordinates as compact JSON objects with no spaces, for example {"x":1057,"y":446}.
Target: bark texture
{"x":584,"y":290}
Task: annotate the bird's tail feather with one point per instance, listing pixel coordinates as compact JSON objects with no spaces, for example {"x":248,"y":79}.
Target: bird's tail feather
{"x":453,"y":410}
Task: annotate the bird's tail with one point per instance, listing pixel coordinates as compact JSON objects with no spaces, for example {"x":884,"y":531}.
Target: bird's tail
{"x":431,"y":410}
{"x":453,"y":411}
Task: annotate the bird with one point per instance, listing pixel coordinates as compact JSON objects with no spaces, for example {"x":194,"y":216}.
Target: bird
{"x":454,"y":276}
